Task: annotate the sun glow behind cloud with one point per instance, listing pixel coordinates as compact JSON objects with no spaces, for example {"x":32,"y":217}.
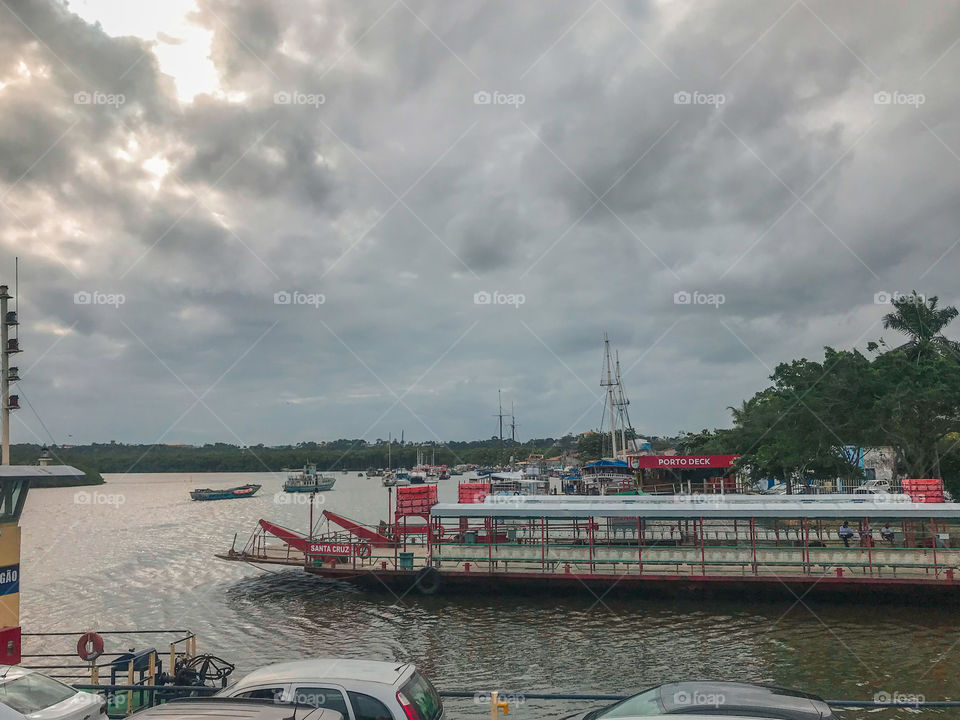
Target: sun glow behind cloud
{"x":182,"y":47}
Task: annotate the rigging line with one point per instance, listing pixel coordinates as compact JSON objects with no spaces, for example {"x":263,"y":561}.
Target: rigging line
{"x":33,"y":409}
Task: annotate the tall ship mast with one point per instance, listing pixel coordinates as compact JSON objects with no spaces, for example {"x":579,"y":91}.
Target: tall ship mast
{"x":610,"y":475}
{"x":617,"y":401}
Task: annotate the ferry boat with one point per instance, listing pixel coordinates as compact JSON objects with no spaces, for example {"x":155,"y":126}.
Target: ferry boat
{"x":786,"y":545}
{"x":601,"y":477}
{"x":308,"y":480}
{"x":241,"y":491}
{"x":518,"y":483}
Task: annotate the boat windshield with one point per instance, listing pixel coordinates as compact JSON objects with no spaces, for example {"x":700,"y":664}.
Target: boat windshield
{"x":33,"y":692}
{"x":645,"y":704}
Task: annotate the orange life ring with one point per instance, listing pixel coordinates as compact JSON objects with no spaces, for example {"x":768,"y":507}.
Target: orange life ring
{"x":364,"y":551}
{"x":90,"y":646}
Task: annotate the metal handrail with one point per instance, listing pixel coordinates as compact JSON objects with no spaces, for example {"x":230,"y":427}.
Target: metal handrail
{"x":92,"y":669}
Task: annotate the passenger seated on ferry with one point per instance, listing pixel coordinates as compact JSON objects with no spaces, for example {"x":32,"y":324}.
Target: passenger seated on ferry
{"x":846,"y":533}
{"x":887,"y":533}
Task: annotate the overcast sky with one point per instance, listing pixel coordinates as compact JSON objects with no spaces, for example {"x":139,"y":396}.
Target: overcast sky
{"x":171,"y":174}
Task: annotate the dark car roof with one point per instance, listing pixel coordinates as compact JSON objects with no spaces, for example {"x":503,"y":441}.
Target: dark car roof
{"x":732,"y":698}
{"x":235,"y":709}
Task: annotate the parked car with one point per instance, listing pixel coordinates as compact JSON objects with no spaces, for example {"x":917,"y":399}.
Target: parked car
{"x":690,"y":700}
{"x":236,"y":709}
{"x":39,"y":697}
{"x":873,"y":487}
{"x":359,"y":689}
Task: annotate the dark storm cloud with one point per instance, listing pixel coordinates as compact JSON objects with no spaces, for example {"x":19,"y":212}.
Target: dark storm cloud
{"x":396,"y":160}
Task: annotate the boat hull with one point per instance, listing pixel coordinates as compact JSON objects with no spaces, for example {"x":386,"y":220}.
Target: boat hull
{"x":228,"y":494}
{"x":594,"y":585}
{"x":319,"y":487}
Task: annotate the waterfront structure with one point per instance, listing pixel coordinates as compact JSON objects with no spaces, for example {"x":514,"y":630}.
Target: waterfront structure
{"x":641,"y":543}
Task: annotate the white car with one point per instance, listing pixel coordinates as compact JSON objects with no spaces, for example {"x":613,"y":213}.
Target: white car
{"x":701,"y":700}
{"x":359,"y":689}
{"x":39,"y":697}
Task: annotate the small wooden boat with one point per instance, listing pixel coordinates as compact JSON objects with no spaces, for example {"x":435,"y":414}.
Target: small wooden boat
{"x":240,"y":491}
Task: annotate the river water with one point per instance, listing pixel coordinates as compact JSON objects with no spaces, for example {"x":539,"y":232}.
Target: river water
{"x":137,"y":553}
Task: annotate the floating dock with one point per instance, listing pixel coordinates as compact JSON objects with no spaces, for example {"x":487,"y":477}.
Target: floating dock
{"x":784,"y":545}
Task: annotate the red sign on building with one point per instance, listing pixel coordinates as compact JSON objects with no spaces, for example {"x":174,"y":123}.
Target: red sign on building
{"x":681,"y":462}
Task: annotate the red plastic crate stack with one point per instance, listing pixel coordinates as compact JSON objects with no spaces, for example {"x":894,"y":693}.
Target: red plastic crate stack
{"x":475,"y":492}
{"x":416,"y":499}
{"x":924,"y":490}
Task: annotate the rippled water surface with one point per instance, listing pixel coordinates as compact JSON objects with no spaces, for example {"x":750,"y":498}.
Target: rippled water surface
{"x":142,"y":554}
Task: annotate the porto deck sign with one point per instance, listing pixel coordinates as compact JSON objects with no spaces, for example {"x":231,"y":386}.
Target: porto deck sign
{"x":681,"y":462}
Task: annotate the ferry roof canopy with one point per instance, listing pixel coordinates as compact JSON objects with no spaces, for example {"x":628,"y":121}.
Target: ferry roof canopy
{"x":517,"y":508}
{"x":607,"y":463}
{"x":25,"y":472}
{"x":506,"y":475}
{"x":15,"y":479}
{"x":713,"y":498}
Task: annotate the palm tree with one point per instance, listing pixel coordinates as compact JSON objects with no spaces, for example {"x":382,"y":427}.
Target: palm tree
{"x":922,"y":321}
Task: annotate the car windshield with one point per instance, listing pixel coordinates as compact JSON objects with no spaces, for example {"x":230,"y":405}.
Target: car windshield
{"x":424,"y":697}
{"x":643,"y":705}
{"x":33,"y":692}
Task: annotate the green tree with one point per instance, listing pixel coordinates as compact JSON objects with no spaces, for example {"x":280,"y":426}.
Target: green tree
{"x":922,"y":322}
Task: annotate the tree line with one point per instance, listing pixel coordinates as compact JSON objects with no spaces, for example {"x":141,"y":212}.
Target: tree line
{"x":905,"y":396}
{"x":344,"y":454}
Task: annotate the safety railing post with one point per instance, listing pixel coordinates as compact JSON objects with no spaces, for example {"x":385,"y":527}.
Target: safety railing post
{"x":933,"y":542}
{"x":496,"y":705}
{"x":129,"y":682}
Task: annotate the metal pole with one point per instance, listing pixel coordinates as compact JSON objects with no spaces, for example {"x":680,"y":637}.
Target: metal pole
{"x":806,"y":545}
{"x":933,"y":532}
{"x":4,"y":339}
{"x":590,"y":539}
{"x":312,"y":498}
{"x":640,"y":543}
{"x":869,"y":544}
{"x":543,"y":543}
{"x":703,"y":552}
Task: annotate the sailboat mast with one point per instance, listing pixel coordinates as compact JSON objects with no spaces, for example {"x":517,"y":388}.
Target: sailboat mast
{"x":500,"y":414}
{"x":621,"y":407}
{"x":611,"y":399}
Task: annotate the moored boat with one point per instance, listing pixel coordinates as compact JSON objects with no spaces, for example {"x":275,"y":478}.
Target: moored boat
{"x":241,"y":491}
{"x":308,"y":480}
{"x":518,"y":483}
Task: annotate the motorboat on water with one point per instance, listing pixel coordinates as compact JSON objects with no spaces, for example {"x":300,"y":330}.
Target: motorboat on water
{"x":241,"y":491}
{"x":308,"y":480}
{"x":518,"y":483}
